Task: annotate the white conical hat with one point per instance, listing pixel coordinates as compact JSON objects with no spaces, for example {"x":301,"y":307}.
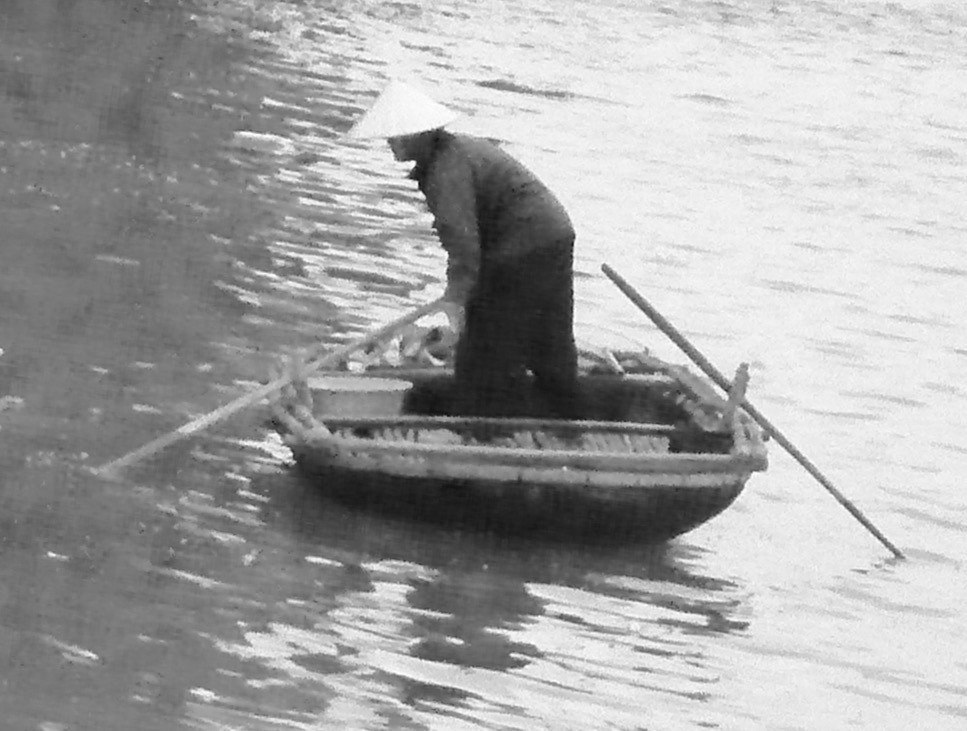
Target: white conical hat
{"x":401,"y":110}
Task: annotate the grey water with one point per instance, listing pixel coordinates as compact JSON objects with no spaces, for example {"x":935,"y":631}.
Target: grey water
{"x":178,"y":209}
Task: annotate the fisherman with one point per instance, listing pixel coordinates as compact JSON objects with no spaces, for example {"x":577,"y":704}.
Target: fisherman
{"x":509,"y":245}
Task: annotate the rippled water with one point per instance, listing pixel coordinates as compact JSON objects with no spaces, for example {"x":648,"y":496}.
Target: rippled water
{"x":784,"y":180}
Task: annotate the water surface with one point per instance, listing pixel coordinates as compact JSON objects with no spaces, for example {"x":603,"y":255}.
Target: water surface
{"x":784,"y":180}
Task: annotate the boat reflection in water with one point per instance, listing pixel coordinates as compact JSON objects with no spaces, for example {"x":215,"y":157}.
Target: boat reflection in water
{"x":423,"y":618}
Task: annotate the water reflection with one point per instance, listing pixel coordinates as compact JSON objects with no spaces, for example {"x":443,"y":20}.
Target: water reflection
{"x":113,"y":196}
{"x":462,"y":615}
{"x":447,"y":617}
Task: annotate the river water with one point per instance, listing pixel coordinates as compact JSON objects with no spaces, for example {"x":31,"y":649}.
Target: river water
{"x":784,"y":180}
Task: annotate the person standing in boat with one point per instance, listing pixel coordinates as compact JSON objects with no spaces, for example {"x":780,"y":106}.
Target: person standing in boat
{"x":509,"y":245}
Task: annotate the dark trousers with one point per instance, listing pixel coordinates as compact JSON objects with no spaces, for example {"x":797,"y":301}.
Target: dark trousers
{"x":520,"y":317}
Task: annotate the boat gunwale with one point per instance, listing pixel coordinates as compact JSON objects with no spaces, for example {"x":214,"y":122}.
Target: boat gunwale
{"x":738,"y":460}
{"x":308,"y":433}
{"x":513,"y":422}
{"x":609,"y":484}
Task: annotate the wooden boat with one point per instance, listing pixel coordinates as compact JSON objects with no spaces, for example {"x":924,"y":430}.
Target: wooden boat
{"x":657,"y":453}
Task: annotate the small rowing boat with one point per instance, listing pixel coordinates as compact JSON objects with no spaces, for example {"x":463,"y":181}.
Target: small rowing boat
{"x":656,"y":453}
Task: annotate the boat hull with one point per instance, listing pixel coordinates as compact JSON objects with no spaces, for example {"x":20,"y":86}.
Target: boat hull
{"x":537,"y":508}
{"x":654,"y":457}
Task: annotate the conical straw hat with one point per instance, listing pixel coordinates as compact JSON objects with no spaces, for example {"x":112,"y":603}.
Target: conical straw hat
{"x":401,"y":110}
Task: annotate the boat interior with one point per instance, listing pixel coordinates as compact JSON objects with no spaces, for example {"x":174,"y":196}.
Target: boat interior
{"x":636,"y":398}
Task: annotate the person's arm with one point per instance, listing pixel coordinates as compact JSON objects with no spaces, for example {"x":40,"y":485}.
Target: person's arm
{"x":451,"y":199}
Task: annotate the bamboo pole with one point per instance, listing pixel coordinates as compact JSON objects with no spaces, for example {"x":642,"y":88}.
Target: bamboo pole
{"x":712,"y":372}
{"x":310,"y":366}
{"x":507,"y":423}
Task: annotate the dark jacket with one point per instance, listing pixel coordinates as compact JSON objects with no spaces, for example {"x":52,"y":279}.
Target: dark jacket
{"x":510,"y":247}
{"x":487,"y":207}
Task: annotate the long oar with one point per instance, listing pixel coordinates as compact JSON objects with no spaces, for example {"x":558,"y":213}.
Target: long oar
{"x":313,"y":364}
{"x":712,"y":372}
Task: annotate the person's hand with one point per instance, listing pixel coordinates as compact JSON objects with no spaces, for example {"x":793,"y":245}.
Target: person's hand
{"x":455,"y":316}
{"x":412,"y":340}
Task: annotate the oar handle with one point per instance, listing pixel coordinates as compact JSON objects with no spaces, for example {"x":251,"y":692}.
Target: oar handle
{"x":666,"y":327}
{"x":713,"y":373}
{"x":311,"y":366}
